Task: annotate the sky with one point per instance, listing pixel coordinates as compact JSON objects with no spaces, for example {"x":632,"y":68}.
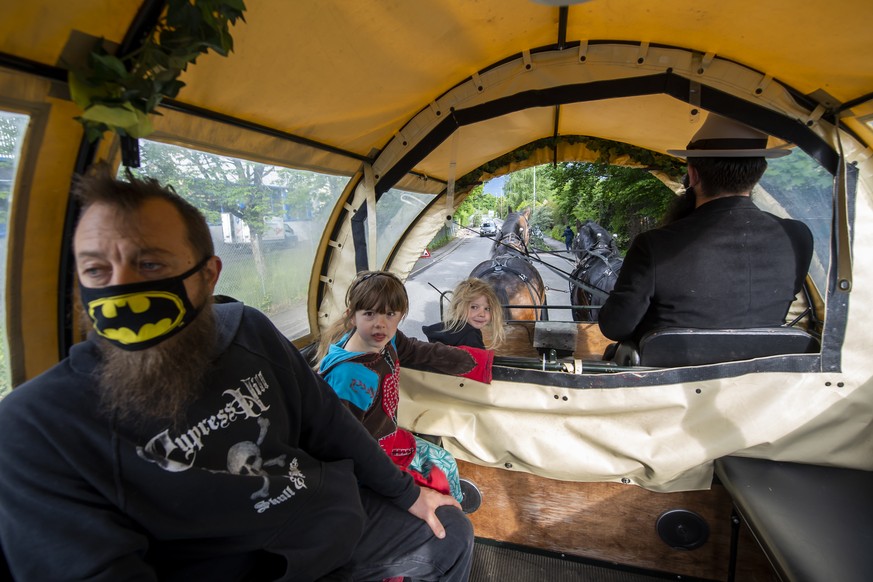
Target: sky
{"x":495,"y":186}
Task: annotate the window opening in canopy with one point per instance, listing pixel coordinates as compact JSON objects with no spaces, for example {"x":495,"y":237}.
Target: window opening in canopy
{"x":395,"y":211}
{"x":797,"y":187}
{"x":12,"y":130}
{"x":265,"y":220}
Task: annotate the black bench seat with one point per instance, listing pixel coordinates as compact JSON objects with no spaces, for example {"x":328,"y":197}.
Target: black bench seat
{"x":814,"y":523}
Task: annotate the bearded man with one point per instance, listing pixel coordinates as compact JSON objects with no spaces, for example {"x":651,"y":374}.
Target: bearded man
{"x":186,"y":441}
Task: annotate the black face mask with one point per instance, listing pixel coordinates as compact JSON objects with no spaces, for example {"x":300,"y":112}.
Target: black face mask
{"x":689,"y":189}
{"x":140,"y":315}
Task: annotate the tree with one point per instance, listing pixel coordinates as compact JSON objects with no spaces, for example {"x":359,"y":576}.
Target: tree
{"x":476,"y":205}
{"x":11,"y":131}
{"x":625,"y":200}
{"x":309,"y":195}
{"x":216,"y":184}
{"x":528,"y":187}
{"x":799,"y":183}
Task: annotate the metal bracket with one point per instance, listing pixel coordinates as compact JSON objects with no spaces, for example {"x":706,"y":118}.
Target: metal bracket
{"x":694,"y":91}
{"x":816,"y":114}
{"x":525,"y":57}
{"x":583,"y":51}
{"x":643,"y":53}
{"x":478,"y":82}
{"x":762,"y":86}
{"x":705,"y":61}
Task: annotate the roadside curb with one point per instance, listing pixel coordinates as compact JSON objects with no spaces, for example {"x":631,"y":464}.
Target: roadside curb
{"x":436,"y":256}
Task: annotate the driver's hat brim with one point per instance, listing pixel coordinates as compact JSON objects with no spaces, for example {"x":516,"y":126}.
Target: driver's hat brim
{"x":720,"y":137}
{"x":731,"y":153}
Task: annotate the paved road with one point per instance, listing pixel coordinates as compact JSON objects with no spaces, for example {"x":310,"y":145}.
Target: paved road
{"x":444,"y":270}
{"x":454,"y":262}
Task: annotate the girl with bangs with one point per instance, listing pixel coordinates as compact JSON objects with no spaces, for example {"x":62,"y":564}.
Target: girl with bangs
{"x":360,"y":355}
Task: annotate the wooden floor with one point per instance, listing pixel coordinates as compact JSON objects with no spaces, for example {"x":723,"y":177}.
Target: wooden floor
{"x":608,"y":522}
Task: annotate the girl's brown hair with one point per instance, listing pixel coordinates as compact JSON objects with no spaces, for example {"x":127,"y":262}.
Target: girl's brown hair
{"x":463,"y":295}
{"x":379,"y":291}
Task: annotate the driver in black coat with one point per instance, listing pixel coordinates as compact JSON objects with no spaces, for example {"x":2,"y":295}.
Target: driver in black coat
{"x":727,"y":264}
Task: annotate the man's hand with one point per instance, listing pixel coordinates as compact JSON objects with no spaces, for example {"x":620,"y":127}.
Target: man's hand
{"x":426,"y":505}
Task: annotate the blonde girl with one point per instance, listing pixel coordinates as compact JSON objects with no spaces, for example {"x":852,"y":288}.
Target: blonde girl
{"x":474,"y":306}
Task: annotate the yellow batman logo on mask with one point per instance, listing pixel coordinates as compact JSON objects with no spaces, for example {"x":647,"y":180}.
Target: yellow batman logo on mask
{"x":135,"y":318}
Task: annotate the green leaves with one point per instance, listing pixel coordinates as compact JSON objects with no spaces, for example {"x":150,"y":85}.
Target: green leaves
{"x":124,"y":117}
{"x":117,"y":93}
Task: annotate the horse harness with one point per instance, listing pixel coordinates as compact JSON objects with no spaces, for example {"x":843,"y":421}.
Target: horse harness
{"x":513,"y":241}
{"x":584,"y":266}
{"x":501,"y":263}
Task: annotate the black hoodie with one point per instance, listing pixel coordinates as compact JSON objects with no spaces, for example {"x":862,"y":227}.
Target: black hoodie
{"x":466,"y":336}
{"x":265,"y":475}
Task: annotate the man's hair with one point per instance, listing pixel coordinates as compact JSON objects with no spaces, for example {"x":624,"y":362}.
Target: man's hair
{"x":98,"y":186}
{"x":728,"y":175}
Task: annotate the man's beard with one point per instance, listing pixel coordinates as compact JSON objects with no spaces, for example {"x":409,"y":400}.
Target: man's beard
{"x":160,"y":382}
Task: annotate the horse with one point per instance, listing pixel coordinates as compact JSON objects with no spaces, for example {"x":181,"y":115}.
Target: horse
{"x":597,"y":265}
{"x":512,"y":275}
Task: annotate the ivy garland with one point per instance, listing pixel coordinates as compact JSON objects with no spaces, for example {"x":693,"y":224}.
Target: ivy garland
{"x":606,"y":149}
{"x":117,"y":93}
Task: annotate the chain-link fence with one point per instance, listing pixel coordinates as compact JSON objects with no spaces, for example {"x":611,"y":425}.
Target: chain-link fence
{"x":279,"y":290}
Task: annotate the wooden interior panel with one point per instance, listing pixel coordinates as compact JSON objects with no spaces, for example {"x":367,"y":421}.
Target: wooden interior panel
{"x":590,"y":343}
{"x":610,"y":522}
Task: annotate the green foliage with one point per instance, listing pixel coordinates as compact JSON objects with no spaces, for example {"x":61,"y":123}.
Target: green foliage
{"x":117,"y":93}
{"x":624,"y":200}
{"x":442,"y":238}
{"x":557,"y":232}
{"x":797,"y":177}
{"x":249,"y":190}
{"x":528,"y":187}
{"x":5,"y":384}
{"x":477,"y":205}
{"x":463,"y":217}
{"x":11,"y":132}
{"x":261,"y":277}
{"x":607,"y":151}
{"x":308,"y":193}
{"x":283,"y":285}
{"x":213,"y":183}
{"x":543,"y":216}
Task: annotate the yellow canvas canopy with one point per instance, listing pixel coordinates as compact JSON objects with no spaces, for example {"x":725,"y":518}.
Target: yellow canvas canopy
{"x":425,"y":95}
{"x":355,"y":75}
